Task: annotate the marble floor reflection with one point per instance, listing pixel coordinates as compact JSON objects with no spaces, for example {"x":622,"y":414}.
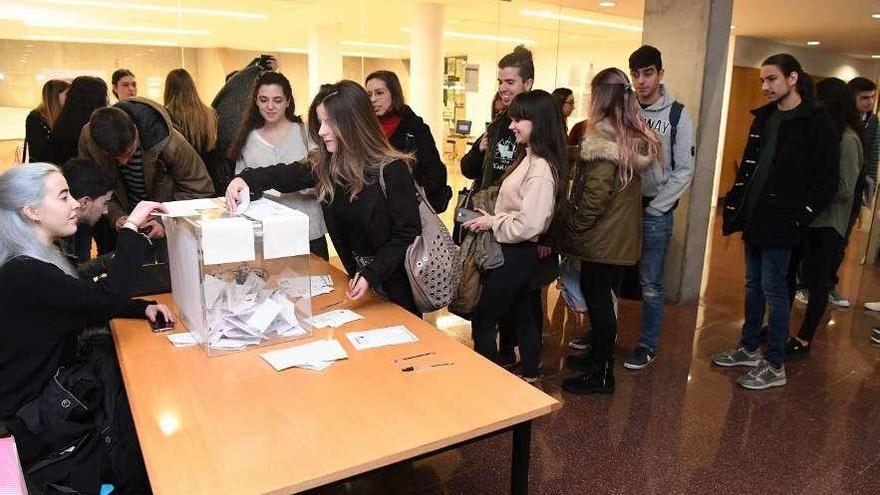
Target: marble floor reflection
{"x":682,"y":426}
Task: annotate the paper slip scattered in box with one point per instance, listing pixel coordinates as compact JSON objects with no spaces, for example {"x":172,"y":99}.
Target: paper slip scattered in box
{"x":335,"y":318}
{"x":381,"y":337}
{"x":192,"y":207}
{"x":321,"y":284}
{"x":285,"y":230}
{"x":315,"y":356}
{"x":247,"y":313}
{"x":184,"y":339}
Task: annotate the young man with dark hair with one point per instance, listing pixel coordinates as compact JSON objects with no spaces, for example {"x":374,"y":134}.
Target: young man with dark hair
{"x":662,"y":186}
{"x":496,"y":150}
{"x":788,"y":175}
{"x":91,"y":188}
{"x":145,"y":157}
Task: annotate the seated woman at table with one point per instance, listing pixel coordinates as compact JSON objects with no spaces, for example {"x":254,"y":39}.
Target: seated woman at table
{"x":370,"y":227}
{"x":69,"y":410}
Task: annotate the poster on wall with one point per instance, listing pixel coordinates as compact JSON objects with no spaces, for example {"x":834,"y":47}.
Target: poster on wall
{"x":472,"y":78}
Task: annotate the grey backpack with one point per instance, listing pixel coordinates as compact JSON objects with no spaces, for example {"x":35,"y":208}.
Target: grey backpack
{"x":432,"y":260}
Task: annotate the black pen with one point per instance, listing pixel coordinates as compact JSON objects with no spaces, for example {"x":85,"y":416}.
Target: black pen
{"x":424,"y":366}
{"x":407,"y":358}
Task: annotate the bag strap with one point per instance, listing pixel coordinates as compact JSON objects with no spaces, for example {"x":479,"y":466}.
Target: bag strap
{"x":420,"y":191}
{"x":674,"y":118}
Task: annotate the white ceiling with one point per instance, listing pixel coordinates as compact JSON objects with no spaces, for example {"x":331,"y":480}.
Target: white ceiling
{"x":843,"y":26}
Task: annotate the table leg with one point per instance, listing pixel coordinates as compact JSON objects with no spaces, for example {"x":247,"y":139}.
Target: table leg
{"x":519,"y":472}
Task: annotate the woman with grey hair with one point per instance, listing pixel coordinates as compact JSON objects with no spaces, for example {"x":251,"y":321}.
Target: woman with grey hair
{"x":45,"y":306}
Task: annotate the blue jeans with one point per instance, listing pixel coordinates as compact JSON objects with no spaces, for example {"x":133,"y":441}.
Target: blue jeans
{"x":656,"y":232}
{"x":766,"y":286}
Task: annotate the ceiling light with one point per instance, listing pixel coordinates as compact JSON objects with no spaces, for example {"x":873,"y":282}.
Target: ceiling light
{"x":483,"y":37}
{"x":376,"y":45}
{"x":291,"y":49}
{"x":875,"y":16}
{"x":814,"y":43}
{"x":544,"y":14}
{"x":111,"y":27}
{"x":110,"y":41}
{"x":875,"y":56}
{"x":607,"y":4}
{"x":365,"y":55}
{"x":154,"y":8}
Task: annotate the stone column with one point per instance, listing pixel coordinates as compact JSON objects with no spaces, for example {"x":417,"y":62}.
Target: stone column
{"x":325,"y":56}
{"x":426,"y":66}
{"x":693,"y":36}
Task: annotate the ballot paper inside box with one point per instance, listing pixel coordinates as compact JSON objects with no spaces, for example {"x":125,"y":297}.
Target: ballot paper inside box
{"x":241,"y":281}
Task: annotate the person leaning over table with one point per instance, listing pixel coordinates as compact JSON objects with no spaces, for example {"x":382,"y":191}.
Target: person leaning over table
{"x":371,"y":228}
{"x":45,"y":305}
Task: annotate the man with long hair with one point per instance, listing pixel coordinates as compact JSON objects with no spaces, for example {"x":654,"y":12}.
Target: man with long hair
{"x":788,"y":175}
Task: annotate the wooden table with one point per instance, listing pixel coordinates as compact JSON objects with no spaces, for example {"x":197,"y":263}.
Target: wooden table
{"x":233,"y":425}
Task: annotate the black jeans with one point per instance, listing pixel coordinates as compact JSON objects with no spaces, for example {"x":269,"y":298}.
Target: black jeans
{"x":506,"y":296}
{"x":597,"y":282}
{"x":821,"y":249}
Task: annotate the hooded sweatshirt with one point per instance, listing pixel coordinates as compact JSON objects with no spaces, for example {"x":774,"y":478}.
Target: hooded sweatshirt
{"x":662,"y":186}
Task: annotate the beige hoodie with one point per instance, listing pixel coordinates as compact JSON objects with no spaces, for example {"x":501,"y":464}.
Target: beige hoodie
{"x":526,"y":200}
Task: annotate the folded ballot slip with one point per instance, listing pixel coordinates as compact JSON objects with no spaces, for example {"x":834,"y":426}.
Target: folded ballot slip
{"x":314,"y":356}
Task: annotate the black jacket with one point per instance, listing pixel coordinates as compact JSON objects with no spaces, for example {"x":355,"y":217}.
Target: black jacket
{"x":38,"y":138}
{"x":390,"y":221}
{"x":414,"y":136}
{"x":44,"y":309}
{"x":800,"y":185}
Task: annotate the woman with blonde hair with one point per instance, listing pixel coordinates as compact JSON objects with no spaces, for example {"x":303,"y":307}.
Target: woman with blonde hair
{"x":39,"y":123}
{"x":604,"y":226}
{"x":371,"y":226}
{"x":195,"y":120}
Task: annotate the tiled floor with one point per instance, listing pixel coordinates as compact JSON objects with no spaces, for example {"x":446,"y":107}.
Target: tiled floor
{"x":682,"y":425}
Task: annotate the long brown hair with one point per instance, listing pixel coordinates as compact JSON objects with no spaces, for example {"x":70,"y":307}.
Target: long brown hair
{"x":361,"y":146}
{"x":195,"y":120}
{"x":253,"y":119}
{"x":50,"y":107}
{"x":614,"y":102}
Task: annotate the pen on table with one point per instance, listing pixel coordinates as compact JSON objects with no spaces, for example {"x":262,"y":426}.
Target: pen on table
{"x":414,"y":356}
{"x":424,"y":366}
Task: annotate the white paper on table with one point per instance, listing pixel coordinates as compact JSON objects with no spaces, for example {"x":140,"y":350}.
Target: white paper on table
{"x":321,"y":284}
{"x":263,"y":315}
{"x":184,"y":339}
{"x":190,"y":207}
{"x":314,"y":355}
{"x":381,"y":337}
{"x":227,"y":240}
{"x":335,"y":318}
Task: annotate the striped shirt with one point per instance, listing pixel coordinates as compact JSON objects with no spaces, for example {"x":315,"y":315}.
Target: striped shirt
{"x":133,"y":177}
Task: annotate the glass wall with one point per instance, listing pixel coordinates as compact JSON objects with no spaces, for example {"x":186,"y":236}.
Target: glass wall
{"x":45,"y":39}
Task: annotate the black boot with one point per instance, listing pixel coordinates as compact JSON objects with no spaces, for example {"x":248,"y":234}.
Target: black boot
{"x":580,"y":362}
{"x":599,"y":380}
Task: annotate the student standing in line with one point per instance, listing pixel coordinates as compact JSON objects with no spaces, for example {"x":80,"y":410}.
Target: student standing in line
{"x":124,"y":84}
{"x":604,"y":226}
{"x":371,"y":227}
{"x":788,"y":175}
{"x":564,"y":99}
{"x":195,"y":120}
{"x":45,"y":306}
{"x":38,"y":125}
{"x":529,"y":193}
{"x":824,"y":239}
{"x":272,"y":133}
{"x":408,"y":133}
{"x":662,"y":186}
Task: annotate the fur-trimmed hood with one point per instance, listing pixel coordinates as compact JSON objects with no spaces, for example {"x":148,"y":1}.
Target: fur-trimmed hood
{"x":600,"y":144}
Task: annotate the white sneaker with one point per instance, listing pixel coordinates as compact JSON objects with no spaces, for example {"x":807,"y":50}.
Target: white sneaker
{"x":872,"y":306}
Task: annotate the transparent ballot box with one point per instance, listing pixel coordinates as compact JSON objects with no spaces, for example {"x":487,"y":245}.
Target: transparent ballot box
{"x":239,"y":281}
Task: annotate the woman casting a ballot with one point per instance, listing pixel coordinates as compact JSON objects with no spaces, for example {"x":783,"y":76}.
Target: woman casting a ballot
{"x":370,"y":227}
